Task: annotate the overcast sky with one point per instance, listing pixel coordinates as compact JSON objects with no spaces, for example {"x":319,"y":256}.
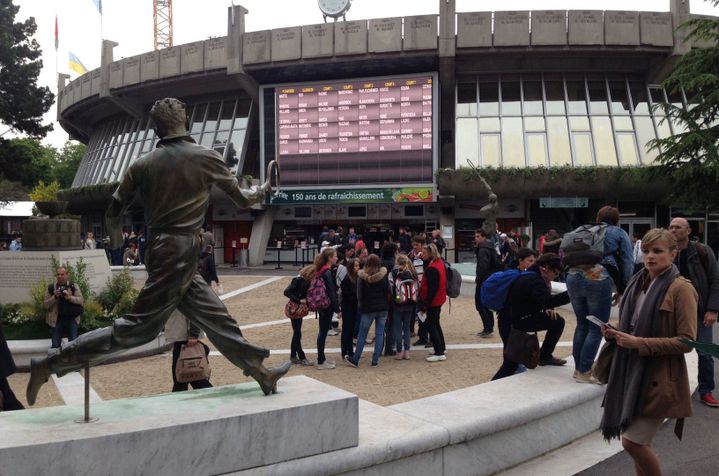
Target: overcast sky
{"x":130,"y":23}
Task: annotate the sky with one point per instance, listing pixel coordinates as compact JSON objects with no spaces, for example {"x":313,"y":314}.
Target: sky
{"x":130,"y":24}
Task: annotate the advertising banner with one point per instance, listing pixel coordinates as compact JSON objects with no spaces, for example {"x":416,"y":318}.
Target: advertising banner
{"x":374,"y":195}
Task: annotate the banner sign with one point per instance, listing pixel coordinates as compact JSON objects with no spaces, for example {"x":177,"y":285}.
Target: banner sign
{"x":374,"y":195}
{"x":564,"y":202}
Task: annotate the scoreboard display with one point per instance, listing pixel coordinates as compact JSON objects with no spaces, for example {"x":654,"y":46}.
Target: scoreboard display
{"x":359,"y":131}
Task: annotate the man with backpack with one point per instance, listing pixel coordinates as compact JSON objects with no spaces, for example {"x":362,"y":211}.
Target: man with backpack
{"x":488,"y":262}
{"x":696,"y":262}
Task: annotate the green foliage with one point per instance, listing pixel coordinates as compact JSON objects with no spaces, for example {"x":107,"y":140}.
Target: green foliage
{"x":22,"y":102}
{"x":94,"y":317}
{"x":45,"y":192}
{"x":36,"y":311}
{"x":25,"y":160}
{"x":67,"y":162}
{"x":578,"y":174}
{"x":690,"y":158}
{"x":119,"y":295}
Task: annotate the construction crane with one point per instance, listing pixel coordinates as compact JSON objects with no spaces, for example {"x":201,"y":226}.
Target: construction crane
{"x":162,"y":14}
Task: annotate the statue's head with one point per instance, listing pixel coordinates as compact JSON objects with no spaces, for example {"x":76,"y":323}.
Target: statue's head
{"x":169,"y":118}
{"x":492,"y":198}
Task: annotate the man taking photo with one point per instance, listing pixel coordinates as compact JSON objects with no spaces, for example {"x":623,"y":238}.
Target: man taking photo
{"x":64,"y":304}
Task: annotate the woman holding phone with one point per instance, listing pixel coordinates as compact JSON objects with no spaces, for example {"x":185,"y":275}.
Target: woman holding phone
{"x":648,"y":375}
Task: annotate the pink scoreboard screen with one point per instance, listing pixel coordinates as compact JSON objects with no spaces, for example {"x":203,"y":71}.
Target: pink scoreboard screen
{"x":356,"y":131}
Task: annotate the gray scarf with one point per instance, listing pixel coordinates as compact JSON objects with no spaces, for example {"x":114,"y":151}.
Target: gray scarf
{"x":629,"y":373}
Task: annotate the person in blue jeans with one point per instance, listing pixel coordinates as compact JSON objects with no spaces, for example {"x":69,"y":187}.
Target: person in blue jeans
{"x":404,"y":288}
{"x":589,"y":284}
{"x":373,"y":305}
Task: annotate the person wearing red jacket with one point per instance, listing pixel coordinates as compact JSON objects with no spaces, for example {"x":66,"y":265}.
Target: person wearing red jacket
{"x":432,"y":294}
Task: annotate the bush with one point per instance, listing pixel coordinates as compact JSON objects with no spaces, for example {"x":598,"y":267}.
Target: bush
{"x":119,"y":295}
{"x":35,"y":309}
{"x":45,"y":192}
{"x":76,"y":274}
{"x":94,"y":317}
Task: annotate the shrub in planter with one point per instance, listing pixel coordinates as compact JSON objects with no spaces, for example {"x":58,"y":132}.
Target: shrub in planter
{"x":94,"y":317}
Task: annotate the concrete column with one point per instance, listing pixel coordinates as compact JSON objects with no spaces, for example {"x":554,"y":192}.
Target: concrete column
{"x":446,"y":217}
{"x":105,"y":60}
{"x":61,"y":82}
{"x":261,"y":229}
{"x":447,"y":82}
{"x":680,"y":14}
{"x":235,"y":30}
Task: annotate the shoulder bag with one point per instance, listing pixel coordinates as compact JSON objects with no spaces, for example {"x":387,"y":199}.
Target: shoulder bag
{"x":192,"y":365}
{"x":523,"y":348}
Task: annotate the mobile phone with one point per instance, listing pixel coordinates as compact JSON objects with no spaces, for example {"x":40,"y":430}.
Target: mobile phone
{"x":597,"y":321}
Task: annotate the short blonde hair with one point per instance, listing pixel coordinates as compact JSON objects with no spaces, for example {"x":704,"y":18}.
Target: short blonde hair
{"x":657,"y":234}
{"x":432,"y":251}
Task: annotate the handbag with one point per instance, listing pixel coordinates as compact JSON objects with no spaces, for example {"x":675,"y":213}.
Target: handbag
{"x":296,"y":310}
{"x":523,"y":348}
{"x":601,"y":367}
{"x":192,"y":364}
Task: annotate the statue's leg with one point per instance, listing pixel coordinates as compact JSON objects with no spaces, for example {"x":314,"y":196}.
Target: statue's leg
{"x":202,"y":306}
{"x":171,"y":264}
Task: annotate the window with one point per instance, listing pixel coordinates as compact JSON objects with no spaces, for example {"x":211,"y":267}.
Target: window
{"x":466,"y":99}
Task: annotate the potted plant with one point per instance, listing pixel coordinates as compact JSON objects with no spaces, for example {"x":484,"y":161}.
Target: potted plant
{"x":45,"y":198}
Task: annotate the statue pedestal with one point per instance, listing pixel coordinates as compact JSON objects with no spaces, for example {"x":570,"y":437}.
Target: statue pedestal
{"x":211,"y":431}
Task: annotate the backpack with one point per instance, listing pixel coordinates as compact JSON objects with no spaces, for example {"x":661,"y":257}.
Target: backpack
{"x":584,"y":245}
{"x":317,"y":297}
{"x":454,"y":280}
{"x":495,"y":288}
{"x":405,"y":290}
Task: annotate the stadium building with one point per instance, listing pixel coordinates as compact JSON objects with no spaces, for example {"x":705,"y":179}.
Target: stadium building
{"x":380,"y":123}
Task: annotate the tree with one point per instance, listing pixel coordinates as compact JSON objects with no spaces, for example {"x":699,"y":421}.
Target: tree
{"x":67,"y":162}
{"x":26,"y":161}
{"x":690,"y":157}
{"x":22,"y":101}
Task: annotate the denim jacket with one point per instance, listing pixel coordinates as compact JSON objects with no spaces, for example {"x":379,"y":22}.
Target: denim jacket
{"x":618,"y":253}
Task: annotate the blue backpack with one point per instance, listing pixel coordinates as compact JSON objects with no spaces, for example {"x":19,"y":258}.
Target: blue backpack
{"x":496,"y":288}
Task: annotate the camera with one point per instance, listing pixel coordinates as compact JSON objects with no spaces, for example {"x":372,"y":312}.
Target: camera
{"x":61,"y":288}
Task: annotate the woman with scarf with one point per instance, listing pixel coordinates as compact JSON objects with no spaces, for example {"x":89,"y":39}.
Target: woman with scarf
{"x":648,"y":379}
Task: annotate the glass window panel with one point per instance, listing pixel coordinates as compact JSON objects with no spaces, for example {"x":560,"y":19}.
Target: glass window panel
{"x":534,"y":124}
{"x":604,"y":142}
{"x":640,"y":100}
{"x":208,"y":139}
{"x":467,"y":146}
{"x":243,"y":108}
{"x":657,"y":96}
{"x":240,"y":123}
{"x":466,"y":99}
{"x":558,"y":140}
{"x":620,"y":98}
{"x":645,"y":133}
{"x":676,"y":98}
{"x":512,"y":142}
{"x":663,"y":129}
{"x":198,"y":119}
{"x":627,"y":148}
{"x":533,"y":98}
{"x":489,"y":124}
{"x":511,"y":98}
{"x":228,"y":110}
{"x":576,"y":97}
{"x":555,"y":96}
{"x":491,"y":150}
{"x":488,"y":99}
{"x":220,"y":142}
{"x":623,"y":124}
{"x":234,"y":149}
{"x":536,"y":150}
{"x":583,"y":154}
{"x":579,"y":123}
{"x":212,"y":113}
{"x":597,"y":97}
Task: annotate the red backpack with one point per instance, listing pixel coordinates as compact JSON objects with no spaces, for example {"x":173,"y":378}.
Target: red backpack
{"x":317,"y":297}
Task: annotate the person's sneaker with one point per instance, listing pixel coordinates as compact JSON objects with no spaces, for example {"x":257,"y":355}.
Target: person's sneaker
{"x":552,"y":361}
{"x":585,"y":377}
{"x":375,"y":364}
{"x":350,"y":361}
{"x":427,"y":345}
{"x":406,"y":355}
{"x":326,"y":365}
{"x":709,"y":400}
{"x":420,"y":342}
{"x":295,"y":360}
{"x":399,"y":355}
{"x":332,"y":332}
{"x":307,"y":363}
{"x":436,"y":358}
{"x":485,"y":334}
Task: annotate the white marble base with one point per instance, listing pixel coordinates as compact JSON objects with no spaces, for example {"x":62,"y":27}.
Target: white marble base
{"x":22,"y":270}
{"x":203,"y":432}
